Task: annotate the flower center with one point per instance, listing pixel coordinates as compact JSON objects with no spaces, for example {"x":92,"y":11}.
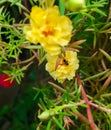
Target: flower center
{"x":48,"y":31}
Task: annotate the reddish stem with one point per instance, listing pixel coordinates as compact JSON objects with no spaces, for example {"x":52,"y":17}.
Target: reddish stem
{"x":89,"y":113}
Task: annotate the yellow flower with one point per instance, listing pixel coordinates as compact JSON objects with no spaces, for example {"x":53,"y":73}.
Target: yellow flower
{"x":62,"y":68}
{"x":49,"y":28}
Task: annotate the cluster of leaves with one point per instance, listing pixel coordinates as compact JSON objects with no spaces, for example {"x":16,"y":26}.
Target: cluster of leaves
{"x":20,"y":115}
{"x":63,"y":104}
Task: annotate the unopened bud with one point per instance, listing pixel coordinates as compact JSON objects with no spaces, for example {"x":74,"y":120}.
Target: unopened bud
{"x":74,"y":5}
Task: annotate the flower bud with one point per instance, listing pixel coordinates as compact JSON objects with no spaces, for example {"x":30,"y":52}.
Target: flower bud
{"x":44,"y":116}
{"x":6,"y":81}
{"x":74,"y":5}
{"x":47,"y":114}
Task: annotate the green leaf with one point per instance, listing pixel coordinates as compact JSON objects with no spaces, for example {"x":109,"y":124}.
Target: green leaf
{"x":105,"y":54}
{"x":98,"y":11}
{"x":61,"y":7}
{"x":58,"y":124}
{"x":49,"y":125}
